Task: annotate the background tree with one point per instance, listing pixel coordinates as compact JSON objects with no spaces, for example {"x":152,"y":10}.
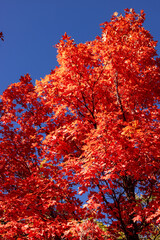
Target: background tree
{"x":36,"y":199}
{"x":93,"y":123}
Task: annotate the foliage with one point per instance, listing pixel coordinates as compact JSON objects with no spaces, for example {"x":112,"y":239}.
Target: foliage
{"x":91,"y":126}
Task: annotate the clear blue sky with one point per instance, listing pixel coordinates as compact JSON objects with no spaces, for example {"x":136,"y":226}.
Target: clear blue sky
{"x":32,"y":27}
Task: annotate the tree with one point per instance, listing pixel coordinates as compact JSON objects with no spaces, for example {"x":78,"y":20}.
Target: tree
{"x":92,"y":125}
{"x":36,"y":199}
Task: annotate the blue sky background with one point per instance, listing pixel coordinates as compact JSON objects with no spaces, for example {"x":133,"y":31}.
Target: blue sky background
{"x":32,"y":27}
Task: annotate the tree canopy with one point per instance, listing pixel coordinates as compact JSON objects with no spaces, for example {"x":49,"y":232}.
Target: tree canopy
{"x":89,"y":127}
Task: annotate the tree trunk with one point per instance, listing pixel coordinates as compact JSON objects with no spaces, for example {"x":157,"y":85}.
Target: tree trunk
{"x":133,"y":237}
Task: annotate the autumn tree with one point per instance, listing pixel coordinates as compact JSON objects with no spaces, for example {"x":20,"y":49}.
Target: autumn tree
{"x":92,"y":125}
{"x":36,"y":199}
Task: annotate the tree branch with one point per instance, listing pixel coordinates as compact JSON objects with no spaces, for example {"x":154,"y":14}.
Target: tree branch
{"x":118,"y":97}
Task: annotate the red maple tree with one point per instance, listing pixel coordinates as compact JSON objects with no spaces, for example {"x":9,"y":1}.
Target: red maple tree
{"x":92,"y":125}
